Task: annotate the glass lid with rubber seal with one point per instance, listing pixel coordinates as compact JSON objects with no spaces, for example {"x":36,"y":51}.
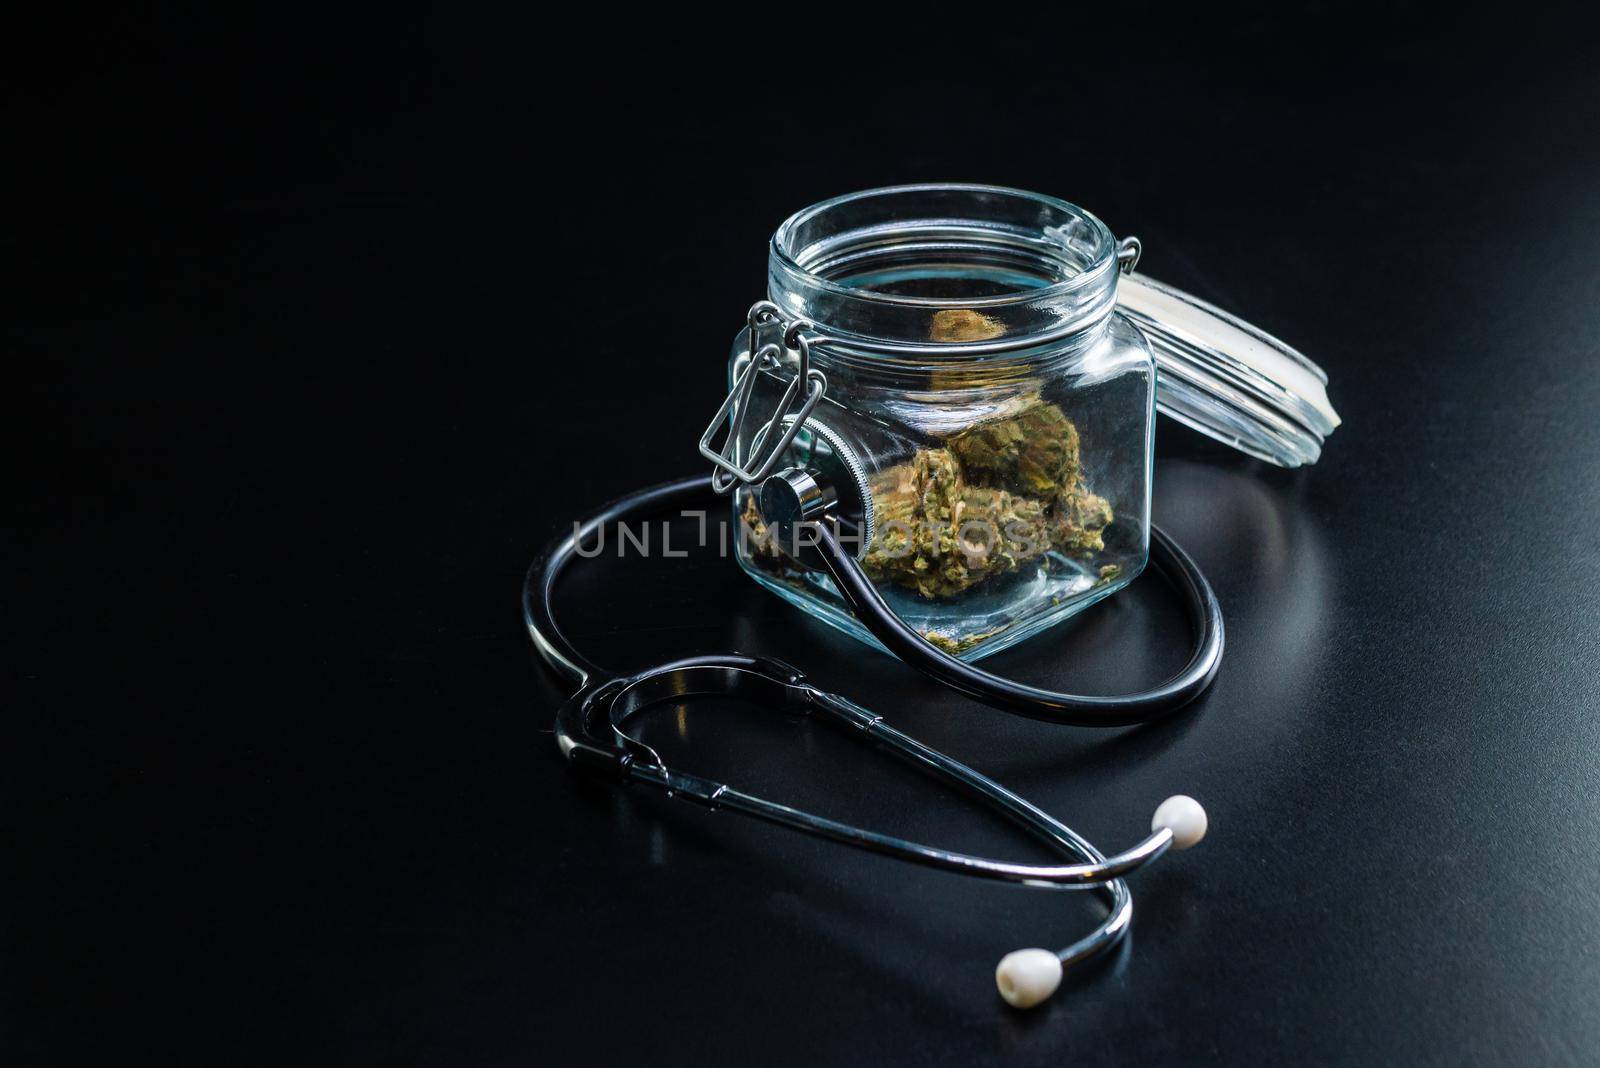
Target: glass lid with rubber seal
{"x":1226,"y":378}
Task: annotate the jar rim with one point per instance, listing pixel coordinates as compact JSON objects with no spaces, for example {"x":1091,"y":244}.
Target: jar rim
{"x":1102,"y":259}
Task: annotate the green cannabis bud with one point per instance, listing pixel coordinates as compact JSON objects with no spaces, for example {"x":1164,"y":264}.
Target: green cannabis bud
{"x":963,"y":324}
{"x":998,"y":496}
{"x":939,"y":536}
{"x":1001,"y":494}
{"x":753,"y":531}
{"x":1078,"y":520}
{"x":957,"y":646}
{"x":1034,"y":452}
{"x":914,"y":502}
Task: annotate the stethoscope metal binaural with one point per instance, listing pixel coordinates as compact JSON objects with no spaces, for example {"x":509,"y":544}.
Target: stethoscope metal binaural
{"x":591,"y":728}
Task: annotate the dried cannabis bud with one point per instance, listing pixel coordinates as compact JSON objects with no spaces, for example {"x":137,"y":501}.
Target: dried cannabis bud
{"x":762,"y":548}
{"x":998,"y":531}
{"x":914,"y":502}
{"x":939,"y":536}
{"x":1078,"y":518}
{"x":1002,"y":494}
{"x":1035,"y":451}
{"x":963,"y":324}
{"x":957,"y":646}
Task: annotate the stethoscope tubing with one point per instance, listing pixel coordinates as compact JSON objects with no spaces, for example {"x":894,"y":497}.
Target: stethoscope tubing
{"x":1175,"y":565}
{"x":538,"y":591}
{"x":1166,"y":556}
{"x":590,"y":726}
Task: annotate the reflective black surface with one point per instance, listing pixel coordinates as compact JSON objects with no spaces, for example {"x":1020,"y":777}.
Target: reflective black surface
{"x":320,"y":332}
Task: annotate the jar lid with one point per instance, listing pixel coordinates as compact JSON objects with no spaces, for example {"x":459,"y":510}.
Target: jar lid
{"x":1227,"y":379}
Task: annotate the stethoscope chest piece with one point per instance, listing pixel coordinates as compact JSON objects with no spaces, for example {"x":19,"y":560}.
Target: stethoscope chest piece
{"x":824,"y":482}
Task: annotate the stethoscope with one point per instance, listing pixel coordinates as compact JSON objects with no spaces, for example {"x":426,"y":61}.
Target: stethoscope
{"x":591,"y":728}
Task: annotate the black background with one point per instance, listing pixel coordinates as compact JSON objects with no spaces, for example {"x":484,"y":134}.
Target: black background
{"x":318,"y":328}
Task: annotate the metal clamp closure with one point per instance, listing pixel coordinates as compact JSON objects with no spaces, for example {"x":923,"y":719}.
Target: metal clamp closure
{"x":770,"y":443}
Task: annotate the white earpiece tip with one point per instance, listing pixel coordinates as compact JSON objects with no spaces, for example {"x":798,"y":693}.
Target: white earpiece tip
{"x":1184,"y":816}
{"x":1028,"y":976}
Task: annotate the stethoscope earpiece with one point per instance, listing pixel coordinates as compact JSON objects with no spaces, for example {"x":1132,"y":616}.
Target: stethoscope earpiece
{"x":1183,"y":816}
{"x":1026,"y":977}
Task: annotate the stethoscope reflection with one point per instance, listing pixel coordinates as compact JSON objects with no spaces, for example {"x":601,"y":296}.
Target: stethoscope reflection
{"x":1268,"y":560}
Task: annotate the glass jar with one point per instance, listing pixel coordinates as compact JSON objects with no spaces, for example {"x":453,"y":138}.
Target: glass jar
{"x":987,"y":411}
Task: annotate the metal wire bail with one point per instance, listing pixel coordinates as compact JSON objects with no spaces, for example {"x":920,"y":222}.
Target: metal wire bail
{"x":1129,"y":249}
{"x":727,"y":471}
